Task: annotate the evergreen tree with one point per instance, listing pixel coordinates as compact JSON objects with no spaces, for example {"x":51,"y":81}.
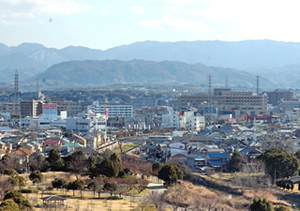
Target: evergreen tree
{"x":261,"y":205}
{"x":55,"y":161}
{"x":168,"y":173}
{"x":108,"y":168}
{"x":235,"y":162}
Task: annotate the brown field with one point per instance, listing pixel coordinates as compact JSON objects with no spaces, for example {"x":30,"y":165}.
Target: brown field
{"x":86,"y":202}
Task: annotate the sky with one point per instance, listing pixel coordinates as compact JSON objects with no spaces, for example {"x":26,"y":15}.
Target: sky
{"x":103,"y":24}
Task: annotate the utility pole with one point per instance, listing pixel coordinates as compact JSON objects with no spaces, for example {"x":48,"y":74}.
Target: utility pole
{"x":210,"y":100}
{"x":257,"y":84}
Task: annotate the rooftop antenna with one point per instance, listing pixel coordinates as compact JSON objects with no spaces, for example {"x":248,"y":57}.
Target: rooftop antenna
{"x":257,"y":84}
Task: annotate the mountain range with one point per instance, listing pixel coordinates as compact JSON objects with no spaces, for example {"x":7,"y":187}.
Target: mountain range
{"x":193,"y":59}
{"x":105,"y":72}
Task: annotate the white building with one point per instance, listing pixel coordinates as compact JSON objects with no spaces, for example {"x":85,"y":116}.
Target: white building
{"x":41,"y":123}
{"x":112,"y":110}
{"x":188,"y":120}
{"x":191,"y":120}
{"x":170,"y":118}
{"x":87,"y":124}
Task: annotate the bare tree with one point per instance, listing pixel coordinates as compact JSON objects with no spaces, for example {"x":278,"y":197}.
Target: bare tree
{"x":77,"y":162}
{"x":176,"y":197}
{"x":156,"y":199}
{"x":120,"y":143}
{"x":253,"y":175}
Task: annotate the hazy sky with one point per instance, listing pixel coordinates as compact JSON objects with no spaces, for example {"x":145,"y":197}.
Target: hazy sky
{"x":102,"y":24}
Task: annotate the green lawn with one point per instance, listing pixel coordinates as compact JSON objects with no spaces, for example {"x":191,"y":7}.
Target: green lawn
{"x":125,"y":147}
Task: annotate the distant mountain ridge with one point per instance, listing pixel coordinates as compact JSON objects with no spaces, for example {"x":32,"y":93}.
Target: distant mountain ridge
{"x":106,"y":72}
{"x":261,"y":57}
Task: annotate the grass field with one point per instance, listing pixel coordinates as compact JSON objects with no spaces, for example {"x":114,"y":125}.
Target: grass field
{"x":86,"y":202}
{"x":125,"y":146}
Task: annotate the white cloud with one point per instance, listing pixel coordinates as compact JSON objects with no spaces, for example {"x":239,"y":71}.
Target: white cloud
{"x":12,"y":10}
{"x":176,"y":2}
{"x":63,"y":7}
{"x":176,"y":23}
{"x":137,"y":10}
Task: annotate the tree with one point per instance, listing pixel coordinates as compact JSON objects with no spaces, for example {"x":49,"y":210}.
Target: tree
{"x":10,"y":172}
{"x":279,"y":163}
{"x":9,"y":162}
{"x":179,"y":172}
{"x":169,"y":173}
{"x":176,"y":197}
{"x":55,"y":160}
{"x":156,"y":166}
{"x":14,"y":178}
{"x":77,"y":184}
{"x":110,"y":186}
{"x":36,"y":177}
{"x":17,"y":181}
{"x":76,"y":162}
{"x":235,"y":162}
{"x":59,"y":183}
{"x":261,"y":205}
{"x":282,"y":208}
{"x":116,"y":160}
{"x":157,"y":199}
{"x":91,"y":163}
{"x":108,"y":168}
{"x":297,"y":154}
{"x":96,"y":185}
{"x":18,"y":198}
{"x":38,"y":163}
{"x":141,"y":185}
{"x":9,"y":205}
{"x":253,"y":175}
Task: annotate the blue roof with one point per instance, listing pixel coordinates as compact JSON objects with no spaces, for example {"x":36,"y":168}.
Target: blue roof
{"x":218,"y":155}
{"x":216,"y":162}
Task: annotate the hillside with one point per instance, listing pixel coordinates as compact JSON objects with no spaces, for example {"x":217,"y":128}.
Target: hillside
{"x":99,"y":73}
{"x":245,"y":55}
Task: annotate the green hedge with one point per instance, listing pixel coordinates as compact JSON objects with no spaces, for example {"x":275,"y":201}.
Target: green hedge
{"x":29,"y":190}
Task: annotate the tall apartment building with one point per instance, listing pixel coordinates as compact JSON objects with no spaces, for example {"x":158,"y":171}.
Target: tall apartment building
{"x":227,"y":100}
{"x":31,"y":108}
{"x":111,"y":110}
{"x":276,"y":96}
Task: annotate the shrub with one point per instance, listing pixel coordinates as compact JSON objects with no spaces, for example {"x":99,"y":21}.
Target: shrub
{"x":29,"y":190}
{"x":282,"y":208}
{"x":115,"y":198}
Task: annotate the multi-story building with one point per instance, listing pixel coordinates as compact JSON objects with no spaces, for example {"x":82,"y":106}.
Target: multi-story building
{"x":87,"y":124}
{"x":31,"y":108}
{"x":62,"y":105}
{"x":188,"y":120}
{"x":111,"y":110}
{"x":191,"y":120}
{"x":227,"y":100}
{"x":276,"y":96}
{"x":170,"y":118}
{"x":7,"y":107}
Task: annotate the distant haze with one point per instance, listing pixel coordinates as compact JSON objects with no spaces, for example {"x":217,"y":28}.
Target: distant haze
{"x":276,"y":62}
